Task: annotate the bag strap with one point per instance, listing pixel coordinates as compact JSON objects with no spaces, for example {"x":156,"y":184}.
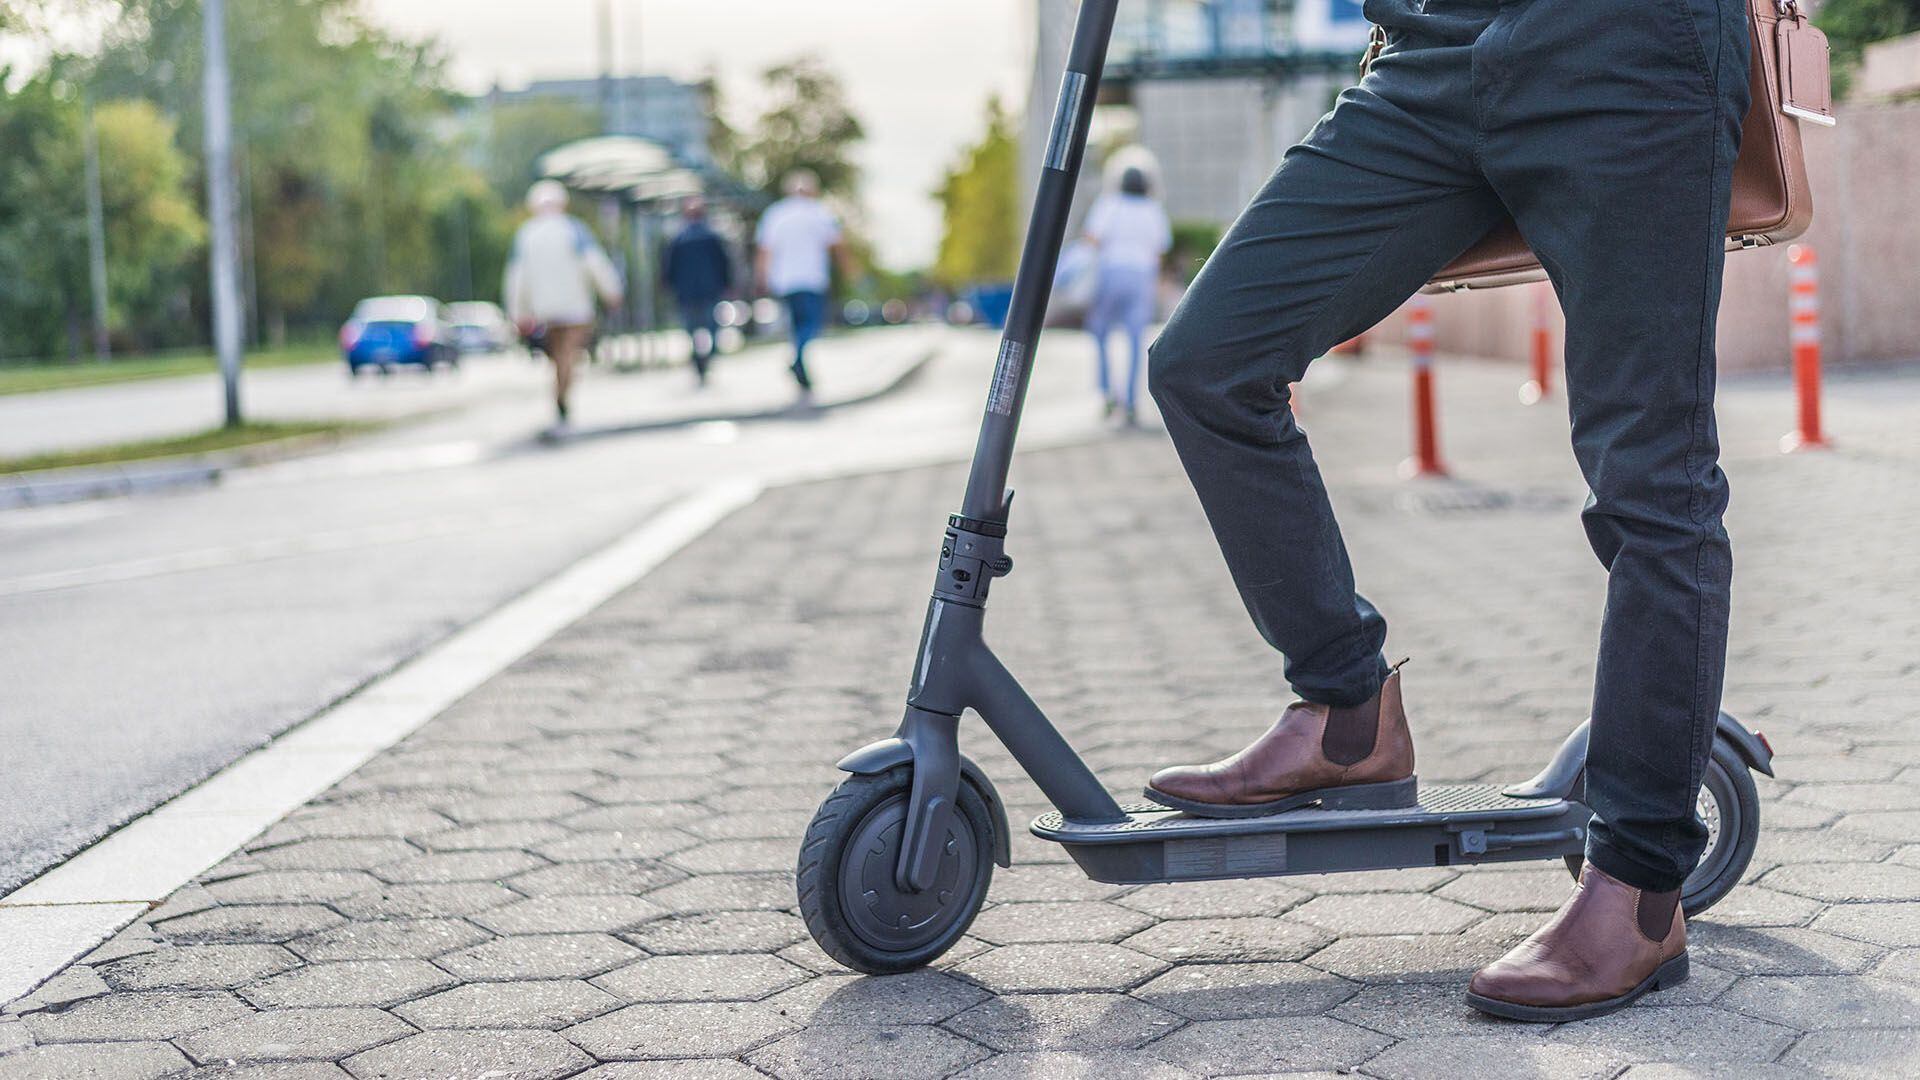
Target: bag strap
{"x":1376,"y":41}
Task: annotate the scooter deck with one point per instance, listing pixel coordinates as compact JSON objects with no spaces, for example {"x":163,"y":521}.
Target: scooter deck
{"x":1452,"y":824}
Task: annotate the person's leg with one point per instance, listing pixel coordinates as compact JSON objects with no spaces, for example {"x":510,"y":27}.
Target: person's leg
{"x":563,"y":345}
{"x":1623,"y":190}
{"x":1140,"y":312}
{"x":1382,"y":193}
{"x":1635,"y":243}
{"x":695,"y":322}
{"x":1100,"y":325}
{"x":804,"y":312}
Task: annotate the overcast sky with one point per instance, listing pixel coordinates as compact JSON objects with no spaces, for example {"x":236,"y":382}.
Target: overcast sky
{"x":918,"y":72}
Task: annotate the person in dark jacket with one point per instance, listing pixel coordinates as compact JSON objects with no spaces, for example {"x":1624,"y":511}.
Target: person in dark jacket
{"x":699,"y":273}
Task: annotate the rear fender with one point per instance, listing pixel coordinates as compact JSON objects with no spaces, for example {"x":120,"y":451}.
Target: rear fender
{"x":1563,"y":777}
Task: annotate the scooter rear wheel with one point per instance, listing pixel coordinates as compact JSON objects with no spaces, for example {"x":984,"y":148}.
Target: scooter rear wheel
{"x":1730,"y":805}
{"x":848,"y":896}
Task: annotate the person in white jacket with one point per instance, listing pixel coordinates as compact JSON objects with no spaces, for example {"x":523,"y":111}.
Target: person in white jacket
{"x":554,"y":274}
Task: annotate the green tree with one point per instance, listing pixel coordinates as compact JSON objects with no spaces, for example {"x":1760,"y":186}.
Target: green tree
{"x":979,"y":201}
{"x":153,"y":229}
{"x":1852,"y":25}
{"x":808,"y":125}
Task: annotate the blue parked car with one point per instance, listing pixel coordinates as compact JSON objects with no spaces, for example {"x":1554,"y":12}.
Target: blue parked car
{"x":387,"y":331}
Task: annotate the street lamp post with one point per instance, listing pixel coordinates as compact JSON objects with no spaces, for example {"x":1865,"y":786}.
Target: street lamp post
{"x":223,"y":254}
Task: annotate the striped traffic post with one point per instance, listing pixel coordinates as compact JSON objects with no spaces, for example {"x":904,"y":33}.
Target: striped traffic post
{"x":1540,"y":387}
{"x":1803,"y":309}
{"x":1426,"y":425}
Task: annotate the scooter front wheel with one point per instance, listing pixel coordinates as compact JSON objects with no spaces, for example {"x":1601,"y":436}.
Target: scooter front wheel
{"x":1730,"y":806}
{"x":852,"y":904}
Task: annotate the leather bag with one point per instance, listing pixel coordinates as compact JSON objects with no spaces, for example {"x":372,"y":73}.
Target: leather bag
{"x":1772,"y":202}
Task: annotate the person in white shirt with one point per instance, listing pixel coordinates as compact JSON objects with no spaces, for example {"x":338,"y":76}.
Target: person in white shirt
{"x":796,"y":243}
{"x":554,"y":274}
{"x":1131,"y":234}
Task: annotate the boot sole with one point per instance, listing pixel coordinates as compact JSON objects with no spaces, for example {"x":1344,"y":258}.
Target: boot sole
{"x":1670,"y":974}
{"x":1387,"y":795}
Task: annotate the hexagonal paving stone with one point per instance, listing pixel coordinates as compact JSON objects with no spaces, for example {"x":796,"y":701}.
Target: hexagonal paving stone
{"x":1903,"y":965}
{"x":705,"y":1029}
{"x":333,"y":854}
{"x":1272,"y":1044}
{"x":708,"y":977}
{"x":349,"y":982}
{"x":1816,"y":1002}
{"x":548,"y":1003}
{"x":1239,"y":991}
{"x":1202,"y":940}
{"x":1427,"y":1010}
{"x":295,"y":1035}
{"x":624,"y":877}
{"x":1015,"y":924}
{"x":524,"y":806}
{"x":1386,"y":913}
{"x":1778,"y":950}
{"x":461,"y":1055}
{"x":1043,"y":882}
{"x":541,"y":956}
{"x":1688,"y":1033}
{"x":94,"y":1061}
{"x":736,"y":856}
{"x":285,"y":885}
{"x":1063,"y":1022}
{"x":683,"y":1069}
{"x":1843,"y":882}
{"x":1894,"y":925}
{"x":1060,"y":967}
{"x":638,"y":843}
{"x":726,"y":892}
{"x":744,"y":931}
{"x":1416,"y":958}
{"x":1261,"y":897}
{"x":1751,"y":905}
{"x":1858,"y":1055}
{"x":197,"y":967}
{"x":1413,"y":879}
{"x":399,"y":939}
{"x":903,"y":1053}
{"x":256,"y":923}
{"x":1509,"y":890}
{"x":449,"y":866}
{"x":916,"y":997}
{"x":569,"y":914}
{"x":507,"y":835}
{"x":162,"y":1014}
{"x":331,"y":822}
{"x":1501,"y":1055}
{"x":425,"y":901}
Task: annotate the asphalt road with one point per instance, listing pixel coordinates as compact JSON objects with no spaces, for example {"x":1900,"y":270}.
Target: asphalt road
{"x":146,"y":642}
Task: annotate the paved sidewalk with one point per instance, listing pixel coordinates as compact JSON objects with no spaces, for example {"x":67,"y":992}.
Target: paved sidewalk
{"x":584,"y":868}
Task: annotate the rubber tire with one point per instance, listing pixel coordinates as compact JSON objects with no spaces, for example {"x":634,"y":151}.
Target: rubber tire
{"x":825,"y":847}
{"x":1744,"y":834}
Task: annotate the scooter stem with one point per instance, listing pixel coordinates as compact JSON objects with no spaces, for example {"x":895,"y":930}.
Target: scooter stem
{"x":1033,"y":283}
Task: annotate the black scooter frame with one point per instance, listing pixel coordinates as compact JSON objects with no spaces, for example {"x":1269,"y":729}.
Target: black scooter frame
{"x":955,"y":670}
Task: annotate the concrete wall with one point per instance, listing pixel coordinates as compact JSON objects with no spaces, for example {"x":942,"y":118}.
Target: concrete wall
{"x":1866,"y":234}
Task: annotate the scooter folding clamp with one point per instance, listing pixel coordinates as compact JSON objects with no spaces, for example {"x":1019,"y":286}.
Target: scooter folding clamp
{"x":969,"y":560}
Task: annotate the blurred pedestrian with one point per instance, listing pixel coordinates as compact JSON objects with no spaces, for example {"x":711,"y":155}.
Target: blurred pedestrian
{"x":1130,"y":234}
{"x":797,"y":238}
{"x":699,"y":273}
{"x":554,"y":273}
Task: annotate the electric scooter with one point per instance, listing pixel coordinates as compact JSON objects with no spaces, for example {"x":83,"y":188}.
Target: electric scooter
{"x":896,"y":862}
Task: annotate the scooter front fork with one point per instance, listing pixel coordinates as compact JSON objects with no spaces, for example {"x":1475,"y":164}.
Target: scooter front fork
{"x":954,"y":671}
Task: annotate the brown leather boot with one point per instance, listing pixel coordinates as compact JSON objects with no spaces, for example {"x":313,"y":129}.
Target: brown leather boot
{"x":1607,"y":945}
{"x":1358,"y":758}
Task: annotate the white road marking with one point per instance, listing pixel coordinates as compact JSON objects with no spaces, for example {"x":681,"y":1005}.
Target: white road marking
{"x":60,"y":915}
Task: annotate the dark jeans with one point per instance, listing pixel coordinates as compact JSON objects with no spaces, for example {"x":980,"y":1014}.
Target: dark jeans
{"x":1609,"y":132}
{"x":697,"y":315}
{"x":807,"y":311}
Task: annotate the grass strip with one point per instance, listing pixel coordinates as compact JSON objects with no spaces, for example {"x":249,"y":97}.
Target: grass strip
{"x":201,"y":442}
{"x":36,"y":375}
